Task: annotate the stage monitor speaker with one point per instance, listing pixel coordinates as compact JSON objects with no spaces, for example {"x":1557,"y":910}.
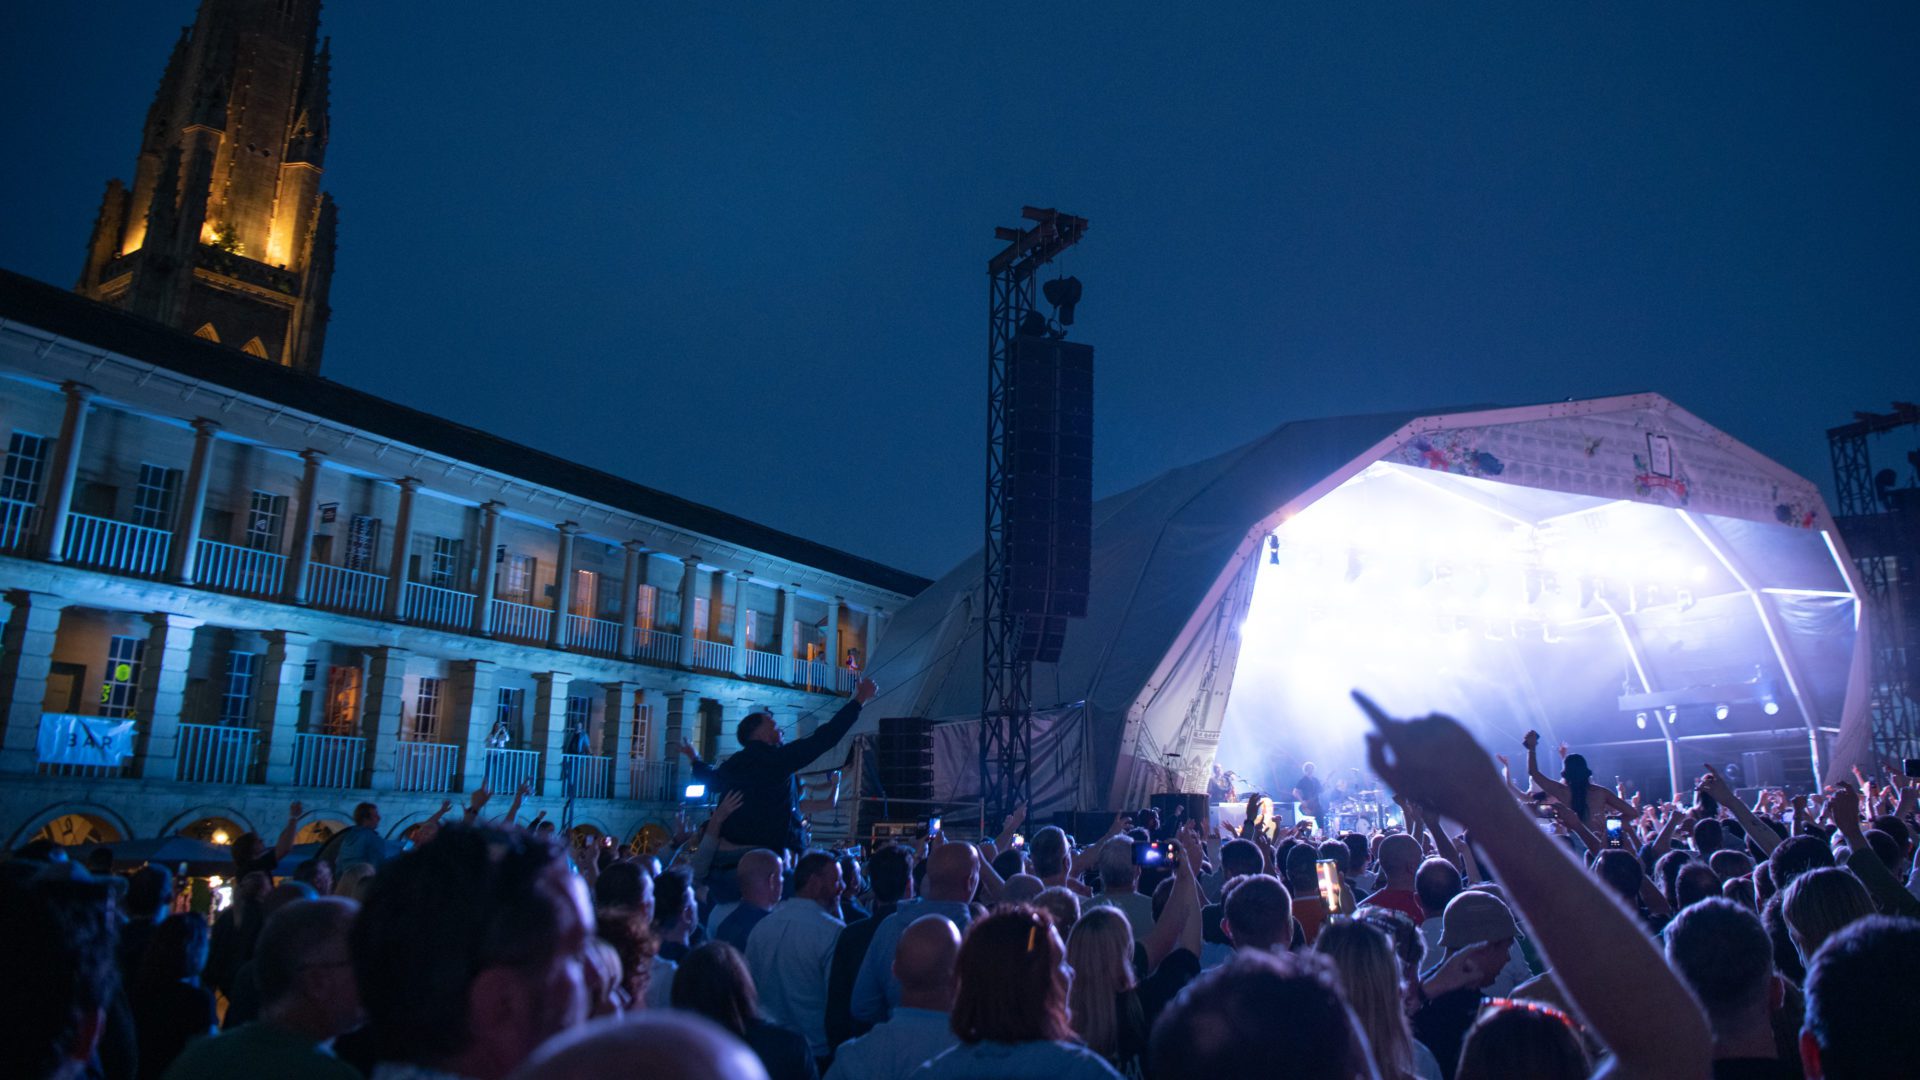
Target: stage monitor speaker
{"x":1177,"y":809}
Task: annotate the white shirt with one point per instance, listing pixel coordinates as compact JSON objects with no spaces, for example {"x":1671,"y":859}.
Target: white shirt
{"x":895,"y":1049}
{"x":789,"y":954}
{"x":1137,"y":908}
{"x":660,"y":985}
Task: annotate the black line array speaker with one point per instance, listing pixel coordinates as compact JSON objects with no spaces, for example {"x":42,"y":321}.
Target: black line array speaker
{"x":1049,"y":508}
{"x":1176,"y":810}
{"x":903,"y":757}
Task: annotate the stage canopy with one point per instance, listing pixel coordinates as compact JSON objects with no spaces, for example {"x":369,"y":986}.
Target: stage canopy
{"x":1615,"y":573}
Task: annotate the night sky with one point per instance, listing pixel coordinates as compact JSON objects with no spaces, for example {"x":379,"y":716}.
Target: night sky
{"x":739,"y":253}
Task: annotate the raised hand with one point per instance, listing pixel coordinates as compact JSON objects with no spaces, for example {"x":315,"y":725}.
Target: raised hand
{"x":1530,"y":740}
{"x":865,"y":691}
{"x":728,"y":804}
{"x":687,"y":750}
{"x":294,"y":810}
{"x":1716,"y":785}
{"x":1434,"y":762}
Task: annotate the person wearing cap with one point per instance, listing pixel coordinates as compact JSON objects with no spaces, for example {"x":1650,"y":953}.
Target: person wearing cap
{"x":1476,"y":932}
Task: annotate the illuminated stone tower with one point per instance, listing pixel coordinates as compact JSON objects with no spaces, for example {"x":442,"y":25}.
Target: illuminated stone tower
{"x":226,"y":232}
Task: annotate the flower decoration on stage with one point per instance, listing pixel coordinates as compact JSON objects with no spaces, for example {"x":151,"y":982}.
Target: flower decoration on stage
{"x":1451,"y":451}
{"x":1655,"y":488}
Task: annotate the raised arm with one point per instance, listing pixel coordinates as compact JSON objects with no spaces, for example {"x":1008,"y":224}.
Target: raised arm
{"x":1885,"y":889}
{"x":475,"y":803}
{"x":800,"y":753}
{"x":513,"y":808}
{"x":285,"y":843}
{"x":1539,"y":779}
{"x":697,"y":768}
{"x":1613,"y":974}
{"x":1758,"y":831}
{"x":1179,"y":923}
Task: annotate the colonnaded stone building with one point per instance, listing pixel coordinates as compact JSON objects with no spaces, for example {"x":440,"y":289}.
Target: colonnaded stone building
{"x":290,"y":589}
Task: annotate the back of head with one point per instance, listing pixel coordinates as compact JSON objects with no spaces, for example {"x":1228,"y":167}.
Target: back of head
{"x":1695,"y":882}
{"x":1889,"y":851}
{"x":1821,"y":903}
{"x":1523,"y":1039}
{"x":1437,"y":883}
{"x":1621,"y":872}
{"x":675,"y":1046}
{"x":1336,"y":850}
{"x":1012,"y":988}
{"x":1356,"y":851}
{"x":1729,"y":863}
{"x":1368,"y":973}
{"x":1257,"y":913}
{"x":1222,"y":1025}
{"x":178,"y":950}
{"x":630,"y":932}
{"x":300,"y":934}
{"x":1048,"y":849}
{"x":1022,"y":888}
{"x":57,"y":950}
{"x":890,"y":871}
{"x":1708,"y":837}
{"x":813,"y":865}
{"x":1009,"y":863}
{"x":1300,"y":876}
{"x":622,"y":885}
{"x":672,"y":895}
{"x":1238,"y":858}
{"x":749,"y":727}
{"x":1666,"y":870}
{"x":472,"y":898}
{"x":759,"y":875}
{"x":1115,"y":863}
{"x":363,"y":814}
{"x":1725,"y":956}
{"x":1409,"y":948}
{"x":713,"y":981}
{"x":148,"y":888}
{"x":1861,"y":1000}
{"x":1399,"y":855}
{"x":953,"y":873}
{"x":924,"y":960}
{"x":1795,"y":856}
{"x":1062,"y":905}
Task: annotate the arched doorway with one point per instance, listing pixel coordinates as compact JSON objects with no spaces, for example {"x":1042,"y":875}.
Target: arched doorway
{"x":78,"y":829}
{"x":319,"y":830}
{"x":651,"y":839}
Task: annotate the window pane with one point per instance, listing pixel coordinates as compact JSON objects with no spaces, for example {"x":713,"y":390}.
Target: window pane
{"x":26,"y":466}
{"x":120,"y":690}
{"x":236,"y":702}
{"x":156,"y":497}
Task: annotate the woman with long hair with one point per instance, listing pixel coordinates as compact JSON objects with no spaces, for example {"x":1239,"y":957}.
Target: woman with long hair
{"x":1521,"y":1038}
{"x":1010,"y":1011}
{"x":1819,"y":904}
{"x":713,"y":981}
{"x":1106,"y":1011}
{"x":1369,"y":977}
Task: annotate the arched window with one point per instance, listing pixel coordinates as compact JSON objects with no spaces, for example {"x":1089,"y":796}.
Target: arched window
{"x":207,"y":331}
{"x":253,"y":347}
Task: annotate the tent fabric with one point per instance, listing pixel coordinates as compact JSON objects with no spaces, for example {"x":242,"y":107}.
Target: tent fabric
{"x":1173,"y":563}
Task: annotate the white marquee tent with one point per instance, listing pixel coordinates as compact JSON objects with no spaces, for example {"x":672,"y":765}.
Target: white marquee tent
{"x":1615,"y":573}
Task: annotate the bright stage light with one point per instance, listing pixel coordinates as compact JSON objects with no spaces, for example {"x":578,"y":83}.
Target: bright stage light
{"x":1772,"y":708}
{"x":1720,"y":712}
{"x":1640,"y":721}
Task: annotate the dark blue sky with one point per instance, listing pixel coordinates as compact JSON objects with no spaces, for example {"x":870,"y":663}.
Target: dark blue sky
{"x":739,"y":254}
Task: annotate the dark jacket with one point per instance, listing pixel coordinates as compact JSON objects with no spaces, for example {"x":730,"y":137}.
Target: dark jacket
{"x":769,"y":816}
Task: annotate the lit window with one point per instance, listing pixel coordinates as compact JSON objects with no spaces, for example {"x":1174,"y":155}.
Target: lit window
{"x":516,"y":578}
{"x":645,"y":606}
{"x":508,"y":714}
{"x":363,"y":536}
{"x":343,"y":699}
{"x":426,"y":710}
{"x":120,"y":690}
{"x":266,"y":521}
{"x":444,"y":568}
{"x":586,"y":593}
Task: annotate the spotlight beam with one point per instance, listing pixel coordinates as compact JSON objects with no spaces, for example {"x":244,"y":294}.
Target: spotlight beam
{"x":1631,"y":642}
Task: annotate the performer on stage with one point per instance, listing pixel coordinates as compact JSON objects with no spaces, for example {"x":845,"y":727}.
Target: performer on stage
{"x":1220,"y":786}
{"x":1306,"y":791}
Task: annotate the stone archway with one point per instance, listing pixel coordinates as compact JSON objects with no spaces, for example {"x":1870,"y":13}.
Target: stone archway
{"x":210,"y":823}
{"x":80,"y":825}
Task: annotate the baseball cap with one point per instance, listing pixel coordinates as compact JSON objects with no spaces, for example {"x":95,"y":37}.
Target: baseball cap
{"x":1475,"y":917}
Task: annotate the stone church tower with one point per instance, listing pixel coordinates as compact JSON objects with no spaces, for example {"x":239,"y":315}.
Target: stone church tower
{"x":226,"y":232}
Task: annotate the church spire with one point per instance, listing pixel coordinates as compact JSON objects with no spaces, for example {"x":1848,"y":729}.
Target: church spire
{"x":225,"y":229}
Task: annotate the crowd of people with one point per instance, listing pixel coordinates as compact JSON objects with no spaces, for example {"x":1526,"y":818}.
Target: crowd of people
{"x":1550,"y":929}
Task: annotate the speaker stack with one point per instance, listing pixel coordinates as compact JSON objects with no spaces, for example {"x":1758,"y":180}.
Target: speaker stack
{"x":903,"y":752}
{"x":1049,"y":507}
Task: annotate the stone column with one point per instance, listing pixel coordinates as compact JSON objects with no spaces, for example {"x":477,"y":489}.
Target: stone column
{"x":740,"y":582}
{"x":483,"y":588}
{"x":302,"y":527}
{"x":402,"y":549}
{"x":26,"y":656}
{"x":471,"y":709}
{"x":163,"y":684}
{"x":562,"y":586}
{"x":283,"y":677}
{"x":630,"y":597}
{"x":550,"y":726}
{"x":186,"y":528}
{"x":874,"y":616}
{"x":619,"y":736}
{"x":831,"y":634}
{"x":689,"y":575}
{"x":385,"y":705}
{"x":56,"y":499}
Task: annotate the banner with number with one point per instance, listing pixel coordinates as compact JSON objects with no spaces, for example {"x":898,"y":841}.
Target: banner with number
{"x":66,"y":739}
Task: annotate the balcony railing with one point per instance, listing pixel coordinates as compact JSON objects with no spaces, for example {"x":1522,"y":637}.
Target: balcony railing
{"x":812,"y":675}
{"x":654,"y":646}
{"x":116,"y":545}
{"x":844,"y":680}
{"x":652,"y":781}
{"x":431,"y":605}
{"x":508,"y":769}
{"x":522,"y":622}
{"x":214,"y":754}
{"x":709,"y":655}
{"x":425,"y":766}
{"x":352,"y":592}
{"x":593,"y":635}
{"x":330,"y":761}
{"x":235,"y":569}
{"x":17,"y":522}
{"x":589,"y":775}
{"x":766,"y":666}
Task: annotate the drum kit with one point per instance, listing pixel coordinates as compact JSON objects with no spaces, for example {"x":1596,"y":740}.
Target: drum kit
{"x":1362,"y":811}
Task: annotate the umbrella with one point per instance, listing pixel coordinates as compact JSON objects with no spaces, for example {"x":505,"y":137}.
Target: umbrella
{"x":201,"y":857}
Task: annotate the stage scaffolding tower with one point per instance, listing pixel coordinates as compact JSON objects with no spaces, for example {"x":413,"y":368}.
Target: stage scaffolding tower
{"x":1881,"y":526}
{"x":1006,"y":700}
